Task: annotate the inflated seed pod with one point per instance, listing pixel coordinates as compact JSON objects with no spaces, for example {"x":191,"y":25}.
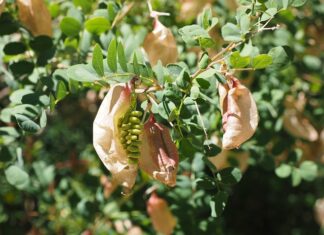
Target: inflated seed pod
{"x":35,"y":16}
{"x":160,"y":44}
{"x":159,"y":155}
{"x":107,"y":135}
{"x":239,"y":113}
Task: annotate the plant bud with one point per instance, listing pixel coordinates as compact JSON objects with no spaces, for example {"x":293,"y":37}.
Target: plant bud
{"x":107,"y":135}
{"x":35,"y":16}
{"x":160,"y":44}
{"x":239,"y":113}
{"x":159,"y":155}
{"x":162,"y":219}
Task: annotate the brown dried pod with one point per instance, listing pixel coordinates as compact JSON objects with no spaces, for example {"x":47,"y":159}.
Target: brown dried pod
{"x":223,"y":160}
{"x":294,"y":121}
{"x":189,"y":9}
{"x":239,"y":113}
{"x":160,"y":44}
{"x":159,"y":155}
{"x":35,"y":16}
{"x":162,"y":219}
{"x":106,"y":135}
{"x":319,"y":211}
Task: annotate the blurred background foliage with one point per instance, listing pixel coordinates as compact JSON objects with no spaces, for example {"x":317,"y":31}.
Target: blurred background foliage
{"x":52,"y":181}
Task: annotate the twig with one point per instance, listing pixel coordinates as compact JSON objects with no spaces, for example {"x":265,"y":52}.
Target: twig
{"x":155,"y":14}
{"x":122,"y":14}
{"x":201,"y":120}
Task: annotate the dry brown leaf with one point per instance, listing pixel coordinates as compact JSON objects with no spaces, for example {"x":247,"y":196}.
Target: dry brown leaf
{"x":160,"y":44}
{"x":162,"y":219}
{"x":106,"y":136}
{"x":239,"y":113}
{"x":159,"y":155}
{"x":35,"y":16}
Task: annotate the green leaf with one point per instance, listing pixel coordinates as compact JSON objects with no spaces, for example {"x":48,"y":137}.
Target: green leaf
{"x":218,"y":203}
{"x":283,"y":171}
{"x":206,"y":183}
{"x":230,"y":175}
{"x":183,"y":80}
{"x":298,"y":3}
{"x":308,"y":170}
{"x":207,"y":73}
{"x":27,"y":124}
{"x":112,"y":55}
{"x":70,"y":26}
{"x":194,"y":92}
{"x":45,"y":173}
{"x":111,"y":11}
{"x":296,"y":177}
{"x":245,"y":23}
{"x":211,"y":149}
{"x":61,"y":91}
{"x":285,"y":4}
{"x":14,"y":48}
{"x":261,"y":61}
{"x":97,"y":60}
{"x":21,"y":68}
{"x":97,"y":25}
{"x":43,"y":119}
{"x":220,"y":78}
{"x":231,"y":32}
{"x":82,"y":73}
{"x":136,"y":66}
{"x":159,"y":73}
{"x":237,"y":61}
{"x":17,"y":177}
{"x":203,"y":63}
{"x":192,"y":33}
{"x":41,"y":43}
{"x":269,"y":13}
{"x":121,"y":57}
{"x":281,"y":57}
{"x":86,"y":5}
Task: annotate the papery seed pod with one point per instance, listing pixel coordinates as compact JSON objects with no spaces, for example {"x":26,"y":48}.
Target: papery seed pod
{"x":294,"y":121}
{"x":162,"y":219}
{"x":106,"y":135}
{"x":35,"y":16}
{"x":2,"y":5}
{"x":135,"y":230}
{"x":160,"y":44}
{"x":159,"y":155}
{"x":319,"y":211}
{"x":223,"y":160}
{"x":239,"y":113}
{"x":189,"y":9}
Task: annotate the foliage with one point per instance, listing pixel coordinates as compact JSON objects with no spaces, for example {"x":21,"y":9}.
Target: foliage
{"x":50,"y":87}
